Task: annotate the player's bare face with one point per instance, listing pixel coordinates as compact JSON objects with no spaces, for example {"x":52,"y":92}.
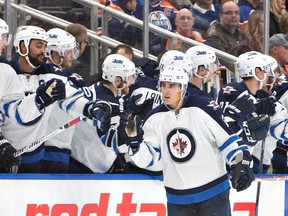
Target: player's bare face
{"x":3,"y":42}
{"x":171,"y":94}
{"x":37,"y":52}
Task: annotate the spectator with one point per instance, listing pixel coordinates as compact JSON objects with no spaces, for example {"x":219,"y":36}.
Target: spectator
{"x":205,"y":12}
{"x":283,"y":24}
{"x":278,"y":49}
{"x":226,"y":35}
{"x":170,"y":9}
{"x":184,"y":26}
{"x":246,"y":7}
{"x":277,"y":9}
{"x":79,"y":31}
{"x":255,"y":29}
{"x":184,"y":4}
{"x":131,"y":35}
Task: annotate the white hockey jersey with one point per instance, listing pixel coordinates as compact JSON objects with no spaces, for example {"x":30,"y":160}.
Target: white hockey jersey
{"x":194,"y":147}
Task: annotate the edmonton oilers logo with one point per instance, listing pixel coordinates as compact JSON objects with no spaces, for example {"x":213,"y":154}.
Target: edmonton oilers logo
{"x":181,"y":145}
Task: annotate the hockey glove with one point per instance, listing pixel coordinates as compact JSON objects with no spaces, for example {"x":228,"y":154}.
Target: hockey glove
{"x":130,"y":131}
{"x":240,"y":108}
{"x":7,"y":151}
{"x":241,"y":172}
{"x":265,"y":103}
{"x":101,"y":111}
{"x":141,"y":109}
{"x":49,"y":92}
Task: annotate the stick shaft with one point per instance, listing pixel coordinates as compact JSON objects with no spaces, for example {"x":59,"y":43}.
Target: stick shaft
{"x":46,"y":137}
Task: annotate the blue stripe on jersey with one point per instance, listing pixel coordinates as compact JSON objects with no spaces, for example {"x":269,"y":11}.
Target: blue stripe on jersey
{"x":6,"y":107}
{"x":242,"y":147}
{"x":197,"y":195}
{"x":228,"y":142}
{"x":282,"y":136}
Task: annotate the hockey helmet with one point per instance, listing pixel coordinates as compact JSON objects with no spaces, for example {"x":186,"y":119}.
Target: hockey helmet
{"x":174,"y":74}
{"x":248,"y":62}
{"x":27,"y":33}
{"x":203,"y":56}
{"x":4,"y":29}
{"x":116,"y":65}
{"x":176,"y":57}
{"x":61,"y":41}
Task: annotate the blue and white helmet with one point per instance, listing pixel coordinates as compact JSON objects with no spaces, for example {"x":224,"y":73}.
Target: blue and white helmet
{"x":26,"y":34}
{"x":176,"y":57}
{"x":202,"y":56}
{"x":61,"y":41}
{"x":174,"y":74}
{"x":248,"y":62}
{"x":116,"y":65}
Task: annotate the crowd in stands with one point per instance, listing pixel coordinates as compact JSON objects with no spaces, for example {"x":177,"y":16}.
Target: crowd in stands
{"x":235,"y":28}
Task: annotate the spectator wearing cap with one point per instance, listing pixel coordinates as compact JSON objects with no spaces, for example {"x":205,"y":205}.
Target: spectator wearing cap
{"x":184,"y":26}
{"x":226,"y":35}
{"x":278,"y":49}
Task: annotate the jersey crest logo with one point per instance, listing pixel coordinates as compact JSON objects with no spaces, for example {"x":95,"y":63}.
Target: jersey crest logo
{"x":181,"y":145}
{"x":228,"y":89}
{"x":213,"y":104}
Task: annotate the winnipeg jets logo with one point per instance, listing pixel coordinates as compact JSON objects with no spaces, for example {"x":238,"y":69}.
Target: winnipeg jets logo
{"x":213,"y":104}
{"x":228,"y":89}
{"x":181,"y":144}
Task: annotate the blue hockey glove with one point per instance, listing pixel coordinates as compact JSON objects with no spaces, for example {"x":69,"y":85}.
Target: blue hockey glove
{"x":141,"y":109}
{"x":240,"y":108}
{"x":7,"y":151}
{"x":101,"y":111}
{"x":265,"y":103}
{"x":241,"y":172}
{"x":130,"y":131}
{"x":259,"y":126}
{"x":49,"y":92}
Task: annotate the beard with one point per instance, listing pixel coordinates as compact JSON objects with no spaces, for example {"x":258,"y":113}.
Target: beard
{"x":36,"y":60}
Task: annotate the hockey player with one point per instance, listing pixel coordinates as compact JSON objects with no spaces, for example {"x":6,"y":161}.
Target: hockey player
{"x":30,"y":43}
{"x":118,"y":75}
{"x":189,"y":135}
{"x":205,"y":65}
{"x":5,"y":37}
{"x":253,"y":124}
{"x":61,"y":50}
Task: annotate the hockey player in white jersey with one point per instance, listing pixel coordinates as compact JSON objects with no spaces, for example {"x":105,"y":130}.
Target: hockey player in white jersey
{"x":194,"y":143}
{"x":118,"y":75}
{"x":268,"y":116}
{"x":30,"y":43}
{"x":60,"y":52}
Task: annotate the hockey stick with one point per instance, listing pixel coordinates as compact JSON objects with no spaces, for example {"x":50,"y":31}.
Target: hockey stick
{"x":47,"y":137}
{"x":259,"y":176}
